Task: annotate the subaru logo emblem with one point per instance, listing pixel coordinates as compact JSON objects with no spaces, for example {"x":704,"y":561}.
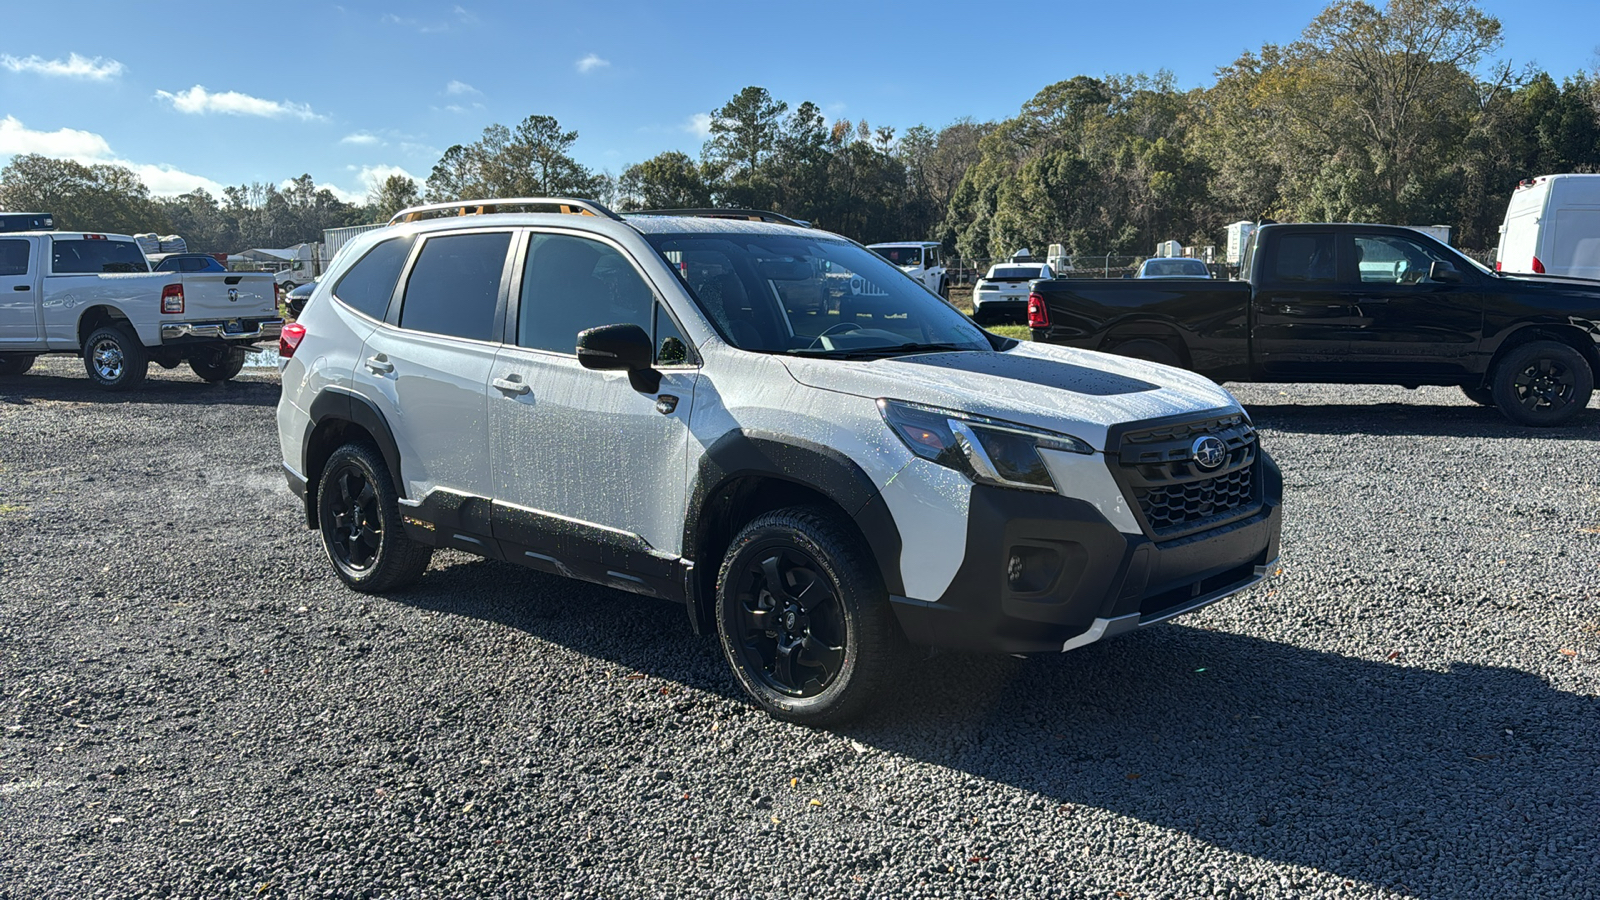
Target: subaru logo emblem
{"x":1209,"y":453}
{"x":233,"y":295}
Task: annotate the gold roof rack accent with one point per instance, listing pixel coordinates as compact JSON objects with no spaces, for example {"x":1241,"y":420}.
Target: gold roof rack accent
{"x":570,"y":206}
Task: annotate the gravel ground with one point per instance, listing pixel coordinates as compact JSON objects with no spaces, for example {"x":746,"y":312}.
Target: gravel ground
{"x":193,"y":707}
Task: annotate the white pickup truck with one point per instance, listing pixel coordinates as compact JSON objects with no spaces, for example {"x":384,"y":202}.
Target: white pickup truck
{"x":94,"y":295}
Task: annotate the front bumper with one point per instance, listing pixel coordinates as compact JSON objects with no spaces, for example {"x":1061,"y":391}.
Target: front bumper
{"x":1080,"y":579}
{"x":228,"y":330}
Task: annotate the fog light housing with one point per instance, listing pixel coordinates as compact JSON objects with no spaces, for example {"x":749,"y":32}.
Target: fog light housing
{"x":1031,"y":569}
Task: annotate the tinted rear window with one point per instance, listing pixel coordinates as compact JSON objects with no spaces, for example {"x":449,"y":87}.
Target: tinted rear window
{"x":369,"y":284}
{"x":80,"y":257}
{"x":1017,"y":272}
{"x":1305,"y":257}
{"x":455,"y":285}
{"x":13,"y":257}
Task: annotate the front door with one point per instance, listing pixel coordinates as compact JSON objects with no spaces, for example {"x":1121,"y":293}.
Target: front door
{"x":19,"y":308}
{"x":1404,"y":322}
{"x":1300,"y":315}
{"x":590,"y":471}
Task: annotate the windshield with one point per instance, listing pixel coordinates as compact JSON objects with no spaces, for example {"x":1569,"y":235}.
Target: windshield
{"x":1166,"y":268}
{"x":901,"y":256}
{"x":774,"y":293}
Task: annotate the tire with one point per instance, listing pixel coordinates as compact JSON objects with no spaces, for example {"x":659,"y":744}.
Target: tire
{"x":1543,"y":383}
{"x":358,"y":517}
{"x":1149,"y":351}
{"x":114,"y":358}
{"x":816,"y":664}
{"x":221,"y":365}
{"x":1480,"y":395}
{"x":14,"y":365}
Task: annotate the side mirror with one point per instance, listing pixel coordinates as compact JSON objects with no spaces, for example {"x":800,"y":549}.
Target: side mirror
{"x":1444,"y":273}
{"x":620,"y":348}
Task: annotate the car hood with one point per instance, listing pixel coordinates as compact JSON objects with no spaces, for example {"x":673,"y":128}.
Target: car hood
{"x":1079,"y":392}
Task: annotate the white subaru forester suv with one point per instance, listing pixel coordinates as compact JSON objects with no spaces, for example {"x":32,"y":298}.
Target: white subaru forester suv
{"x":765,"y":422}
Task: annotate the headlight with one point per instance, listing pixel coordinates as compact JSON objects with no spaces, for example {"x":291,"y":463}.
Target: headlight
{"x":985,"y":450}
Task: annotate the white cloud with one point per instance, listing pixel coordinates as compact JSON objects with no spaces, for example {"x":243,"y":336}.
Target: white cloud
{"x":460,"y":87}
{"x":591,"y":62}
{"x":91,"y":149}
{"x":197,"y":101}
{"x":699,"y":124}
{"x":75,"y":66}
{"x":361,"y":139}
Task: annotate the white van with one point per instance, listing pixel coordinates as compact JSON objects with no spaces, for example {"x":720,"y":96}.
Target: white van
{"x":1552,"y":227}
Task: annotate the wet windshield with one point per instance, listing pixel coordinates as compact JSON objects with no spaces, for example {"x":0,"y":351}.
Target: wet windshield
{"x":774,"y":293}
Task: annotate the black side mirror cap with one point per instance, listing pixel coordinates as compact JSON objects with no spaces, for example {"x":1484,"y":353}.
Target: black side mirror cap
{"x":1444,"y":273}
{"x":620,"y":348}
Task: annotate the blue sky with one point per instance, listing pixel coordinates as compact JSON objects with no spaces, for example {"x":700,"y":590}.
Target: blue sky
{"x":190,"y":95}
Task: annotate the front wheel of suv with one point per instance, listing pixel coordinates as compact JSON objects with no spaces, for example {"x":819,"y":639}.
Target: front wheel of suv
{"x":804,"y":618}
{"x":358,"y":514}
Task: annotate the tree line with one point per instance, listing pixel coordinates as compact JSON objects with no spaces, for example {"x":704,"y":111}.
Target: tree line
{"x":1392,"y":114}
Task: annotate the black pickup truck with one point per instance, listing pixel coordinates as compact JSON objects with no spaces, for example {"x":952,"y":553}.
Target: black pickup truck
{"x":1352,"y":304}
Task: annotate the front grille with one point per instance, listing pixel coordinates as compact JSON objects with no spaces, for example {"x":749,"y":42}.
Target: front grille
{"x":1156,"y":468}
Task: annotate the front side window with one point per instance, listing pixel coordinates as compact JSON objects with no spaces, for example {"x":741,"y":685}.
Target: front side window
{"x":1391,"y":259}
{"x":94,"y":257}
{"x":367,"y":286}
{"x":1304,"y":258}
{"x":454,"y":288}
{"x":671,"y":348}
{"x":779,"y":293}
{"x":13,"y":257}
{"x":571,"y":284}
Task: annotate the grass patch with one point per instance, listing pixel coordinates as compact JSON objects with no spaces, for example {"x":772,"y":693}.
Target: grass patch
{"x":1015,"y":332}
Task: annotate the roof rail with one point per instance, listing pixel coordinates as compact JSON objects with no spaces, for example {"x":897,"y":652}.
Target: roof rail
{"x":566,"y":205}
{"x":752,"y":215}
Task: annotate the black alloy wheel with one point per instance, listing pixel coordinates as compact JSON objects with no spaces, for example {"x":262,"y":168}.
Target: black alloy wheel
{"x":358,"y":515}
{"x":791,"y":630}
{"x":803,"y":616}
{"x":1543,"y":383}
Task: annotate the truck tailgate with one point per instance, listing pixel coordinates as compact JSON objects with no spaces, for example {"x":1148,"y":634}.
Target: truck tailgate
{"x":209,"y":296}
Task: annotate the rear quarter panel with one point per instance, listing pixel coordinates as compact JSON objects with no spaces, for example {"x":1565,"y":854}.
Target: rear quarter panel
{"x":1211,"y":317}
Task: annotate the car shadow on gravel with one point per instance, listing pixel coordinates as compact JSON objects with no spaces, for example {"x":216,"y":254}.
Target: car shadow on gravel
{"x":1432,"y":783}
{"x":43,"y":386}
{"x":1451,"y":781}
{"x":1411,"y":419}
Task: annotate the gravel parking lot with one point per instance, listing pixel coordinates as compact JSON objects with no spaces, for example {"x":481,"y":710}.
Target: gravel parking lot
{"x":192,"y":706}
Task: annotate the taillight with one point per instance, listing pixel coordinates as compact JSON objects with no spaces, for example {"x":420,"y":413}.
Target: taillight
{"x":172,"y":298}
{"x":1497,"y":266}
{"x":289,"y":340}
{"x":1538,"y":267}
{"x":1038,"y":313}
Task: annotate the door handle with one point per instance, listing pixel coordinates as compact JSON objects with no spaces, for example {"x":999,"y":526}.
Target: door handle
{"x":1367,"y":301}
{"x":21,"y":287}
{"x":379,"y":365}
{"x":512,"y":385}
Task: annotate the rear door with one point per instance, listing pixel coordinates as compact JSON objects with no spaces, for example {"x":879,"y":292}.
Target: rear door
{"x":590,"y":471}
{"x":427,"y":366}
{"x":1300,"y":314}
{"x":1404,"y":322}
{"x":21,"y":325}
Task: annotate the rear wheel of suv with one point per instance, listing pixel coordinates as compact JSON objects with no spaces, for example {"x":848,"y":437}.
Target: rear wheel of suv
{"x":1542,"y":383}
{"x":804,"y":617}
{"x":114,"y":358}
{"x":15,"y":364}
{"x":358,"y":514}
{"x":219,"y":365}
